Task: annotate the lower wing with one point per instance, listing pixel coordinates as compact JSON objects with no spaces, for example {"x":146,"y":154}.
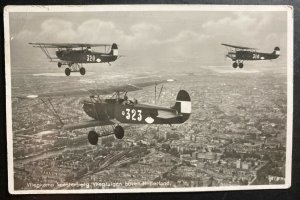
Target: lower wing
{"x":86,"y":124}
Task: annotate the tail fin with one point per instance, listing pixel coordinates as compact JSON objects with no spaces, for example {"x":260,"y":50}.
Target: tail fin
{"x":183,"y":104}
{"x":114,"y":50}
{"x":276,"y":51}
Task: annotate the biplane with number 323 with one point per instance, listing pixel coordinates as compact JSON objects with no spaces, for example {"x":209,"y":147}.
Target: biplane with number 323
{"x":74,"y":55}
{"x":239,"y":54}
{"x":118,"y":109}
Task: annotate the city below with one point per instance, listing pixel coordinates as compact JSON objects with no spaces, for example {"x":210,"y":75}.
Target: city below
{"x":236,"y":135}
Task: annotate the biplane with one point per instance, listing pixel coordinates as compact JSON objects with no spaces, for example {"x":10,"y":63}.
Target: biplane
{"x":118,"y":109}
{"x":74,"y":55}
{"x":239,"y":54}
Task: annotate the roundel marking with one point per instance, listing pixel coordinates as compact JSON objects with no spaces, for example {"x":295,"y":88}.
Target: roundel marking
{"x":149,"y":120}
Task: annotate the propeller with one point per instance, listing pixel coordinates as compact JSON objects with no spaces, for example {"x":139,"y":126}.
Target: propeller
{"x":225,"y":56}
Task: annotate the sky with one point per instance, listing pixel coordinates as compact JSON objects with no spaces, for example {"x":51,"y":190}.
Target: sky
{"x":151,"y":37}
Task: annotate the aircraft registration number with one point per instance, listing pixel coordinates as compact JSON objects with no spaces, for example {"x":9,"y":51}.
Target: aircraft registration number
{"x":90,"y":58}
{"x":132,"y":114}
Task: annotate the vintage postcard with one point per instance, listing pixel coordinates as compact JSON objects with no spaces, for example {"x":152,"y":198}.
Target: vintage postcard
{"x":148,"y":98}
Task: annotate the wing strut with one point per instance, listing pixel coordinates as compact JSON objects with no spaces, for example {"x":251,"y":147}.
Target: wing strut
{"x":161,"y":89}
{"x":155,"y":93}
{"x":46,"y":52}
{"x":53,"y":110}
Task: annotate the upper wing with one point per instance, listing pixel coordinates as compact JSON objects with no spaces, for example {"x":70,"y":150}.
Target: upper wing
{"x":81,"y":92}
{"x":237,"y":47}
{"x":67,"y":45}
{"x":103,"y":91}
{"x":86,"y":124}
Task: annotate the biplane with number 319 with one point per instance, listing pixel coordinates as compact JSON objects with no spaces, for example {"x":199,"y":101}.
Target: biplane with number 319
{"x":239,"y":54}
{"x":74,"y":55}
{"x":111,"y":112}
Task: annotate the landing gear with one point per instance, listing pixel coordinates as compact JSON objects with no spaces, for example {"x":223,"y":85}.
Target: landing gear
{"x":119,"y":132}
{"x":241,"y":65}
{"x":238,"y":64}
{"x":234,"y":65}
{"x":82,"y":71}
{"x":74,"y":67}
{"x":59,"y":64}
{"x":93,"y":137}
{"x":68,"y":71}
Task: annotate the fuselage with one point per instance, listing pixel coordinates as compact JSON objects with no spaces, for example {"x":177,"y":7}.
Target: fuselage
{"x":251,"y":55}
{"x":130,"y":112}
{"x":85,"y":56}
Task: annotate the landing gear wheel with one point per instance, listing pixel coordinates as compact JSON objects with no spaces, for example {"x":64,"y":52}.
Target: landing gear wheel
{"x":234,"y":65}
{"x":119,"y":132}
{"x":82,"y":71}
{"x":67,"y":71}
{"x":93,"y":138}
{"x":241,"y":65}
{"x":59,"y":64}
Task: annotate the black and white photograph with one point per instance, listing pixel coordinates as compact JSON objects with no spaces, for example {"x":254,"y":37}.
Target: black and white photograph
{"x":148,"y":98}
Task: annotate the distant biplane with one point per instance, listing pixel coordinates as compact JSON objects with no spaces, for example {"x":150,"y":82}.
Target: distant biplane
{"x":111,"y":112}
{"x":74,"y":55}
{"x":239,"y":54}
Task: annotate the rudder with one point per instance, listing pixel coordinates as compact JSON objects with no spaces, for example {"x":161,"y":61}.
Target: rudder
{"x":276,"y":51}
{"x":114,"y":50}
{"x":183,"y":104}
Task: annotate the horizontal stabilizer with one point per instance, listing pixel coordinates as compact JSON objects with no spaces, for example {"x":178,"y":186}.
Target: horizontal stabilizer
{"x":165,"y":114}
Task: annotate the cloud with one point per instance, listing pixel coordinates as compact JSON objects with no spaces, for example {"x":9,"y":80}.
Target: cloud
{"x":90,"y":31}
{"x":98,"y":31}
{"x":50,"y":30}
{"x":153,"y":41}
{"x":144,"y":27}
{"x":55,"y":29}
{"x":185,"y":36}
{"x":248,"y":29}
{"x":240,"y":25}
{"x":140,"y":38}
{"x":95,"y":30}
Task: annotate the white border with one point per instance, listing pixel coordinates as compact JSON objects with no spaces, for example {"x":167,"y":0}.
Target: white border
{"x":145,"y":8}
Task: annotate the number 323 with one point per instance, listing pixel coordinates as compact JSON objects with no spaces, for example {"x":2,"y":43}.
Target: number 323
{"x":133,"y":114}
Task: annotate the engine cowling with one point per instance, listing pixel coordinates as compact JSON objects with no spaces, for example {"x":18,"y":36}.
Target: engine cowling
{"x":59,"y":53}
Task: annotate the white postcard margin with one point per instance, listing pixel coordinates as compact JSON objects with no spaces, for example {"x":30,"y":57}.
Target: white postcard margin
{"x":145,"y":8}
